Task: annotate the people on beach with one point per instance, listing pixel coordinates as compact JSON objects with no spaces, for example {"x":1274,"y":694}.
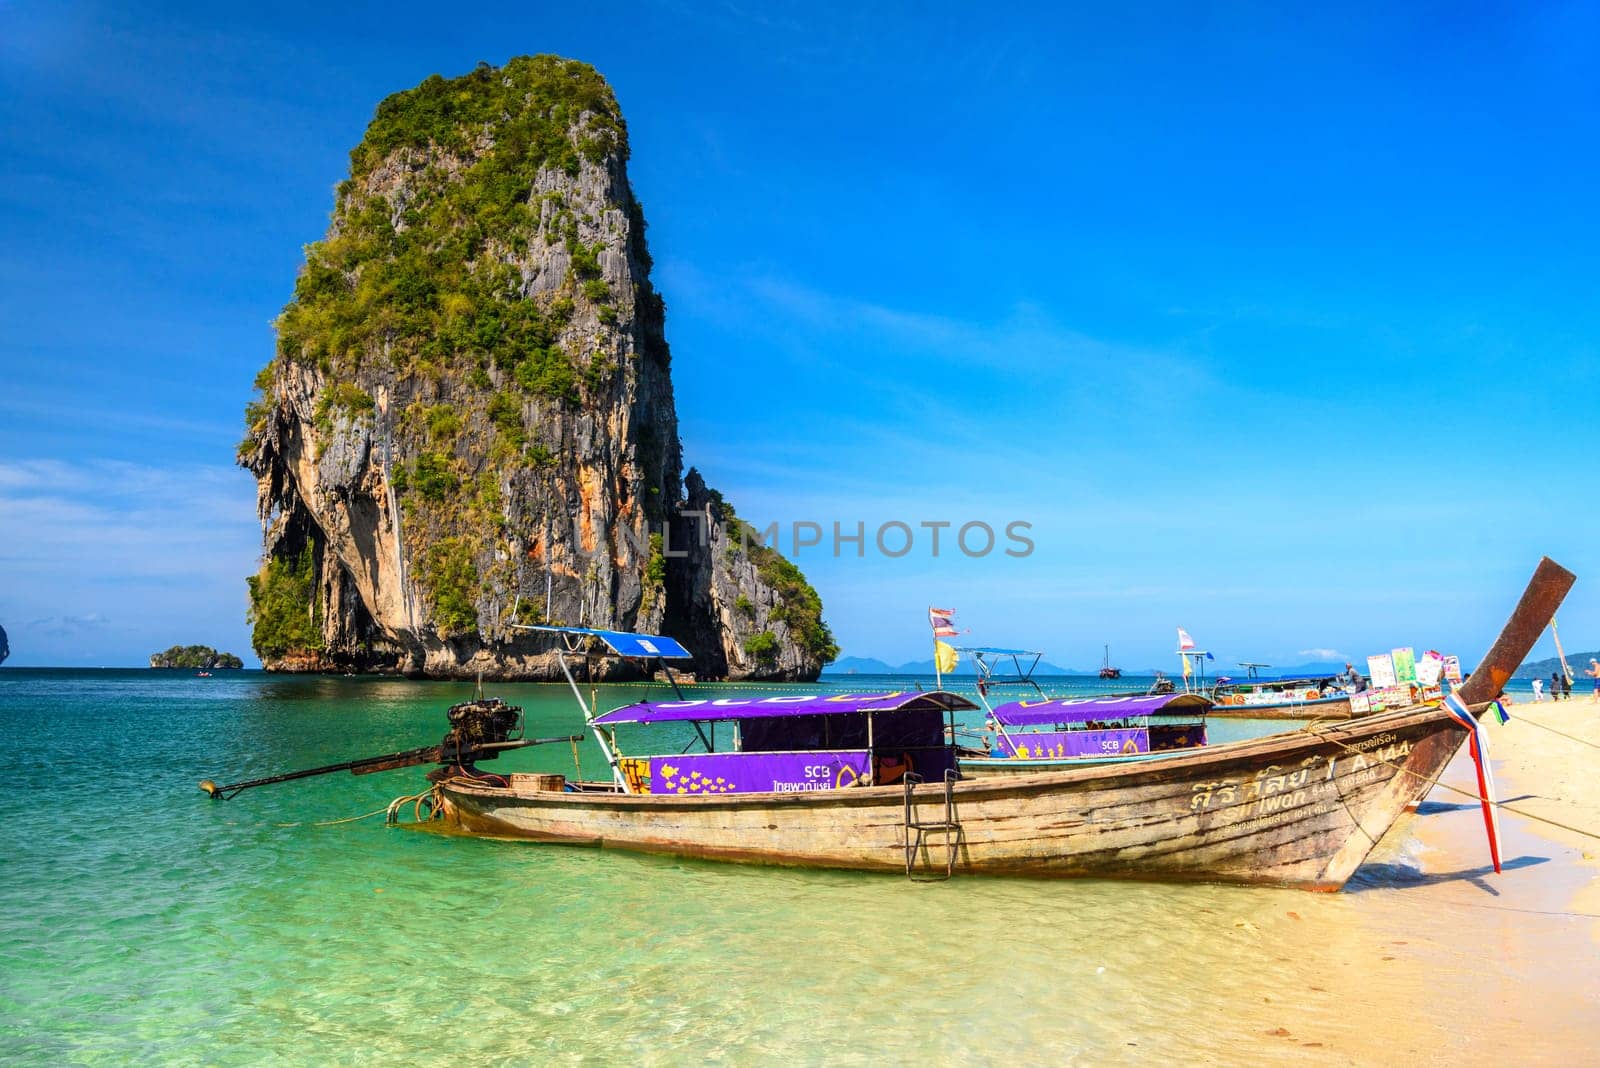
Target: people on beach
{"x":1594,"y":673}
{"x":1555,"y":686}
{"x":1351,"y":680}
{"x":1566,"y":687}
{"x":1538,"y":690}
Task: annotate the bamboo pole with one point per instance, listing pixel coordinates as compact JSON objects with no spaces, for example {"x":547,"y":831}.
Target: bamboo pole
{"x":1565,"y":670}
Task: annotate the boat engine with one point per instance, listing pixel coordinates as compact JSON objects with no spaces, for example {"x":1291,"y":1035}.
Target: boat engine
{"x":482,"y":722}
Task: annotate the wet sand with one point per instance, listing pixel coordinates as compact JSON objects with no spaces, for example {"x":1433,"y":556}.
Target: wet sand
{"x":1438,"y":958}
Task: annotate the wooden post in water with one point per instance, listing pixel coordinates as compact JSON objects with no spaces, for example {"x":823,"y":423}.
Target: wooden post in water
{"x":1533,"y":613}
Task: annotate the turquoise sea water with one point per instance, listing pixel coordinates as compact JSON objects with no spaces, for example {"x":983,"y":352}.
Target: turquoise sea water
{"x":142,"y":922}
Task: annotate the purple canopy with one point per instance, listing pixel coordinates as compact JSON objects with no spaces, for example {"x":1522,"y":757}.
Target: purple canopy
{"x":807,"y":704}
{"x":1087,"y":709}
{"x":1061,"y":745}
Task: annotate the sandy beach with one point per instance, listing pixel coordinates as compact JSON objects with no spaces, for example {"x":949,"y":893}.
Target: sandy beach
{"x":1447,"y":960}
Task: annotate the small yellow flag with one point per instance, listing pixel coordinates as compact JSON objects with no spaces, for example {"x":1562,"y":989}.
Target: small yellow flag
{"x":1186,"y":670}
{"x":945,"y":657}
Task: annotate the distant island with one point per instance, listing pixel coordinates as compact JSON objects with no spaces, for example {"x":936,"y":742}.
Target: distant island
{"x":194,"y":657}
{"x":1543,"y":669}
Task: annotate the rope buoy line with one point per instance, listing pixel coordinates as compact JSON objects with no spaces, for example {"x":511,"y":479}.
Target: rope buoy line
{"x":1457,"y":790}
{"x":1528,"y":912}
{"x":335,"y":823}
{"x":1520,"y":718}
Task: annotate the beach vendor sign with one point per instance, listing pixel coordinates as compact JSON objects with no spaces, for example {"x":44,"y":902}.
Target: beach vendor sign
{"x":1430,"y":676}
{"x":1381,"y":700}
{"x":1400,"y":679}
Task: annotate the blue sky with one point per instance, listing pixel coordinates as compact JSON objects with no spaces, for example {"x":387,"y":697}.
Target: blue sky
{"x":1279,"y":326}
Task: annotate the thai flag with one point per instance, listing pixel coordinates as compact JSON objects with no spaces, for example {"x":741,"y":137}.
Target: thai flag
{"x":1185,"y":642}
{"x":1478,"y":744}
{"x":943,"y":622}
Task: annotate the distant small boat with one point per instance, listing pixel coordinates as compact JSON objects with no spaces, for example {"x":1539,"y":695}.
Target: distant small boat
{"x":1281,"y":697}
{"x":1106,"y":670}
{"x":202,"y":674}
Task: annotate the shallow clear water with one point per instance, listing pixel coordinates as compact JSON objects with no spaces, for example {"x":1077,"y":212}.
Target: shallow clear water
{"x":141,"y":921}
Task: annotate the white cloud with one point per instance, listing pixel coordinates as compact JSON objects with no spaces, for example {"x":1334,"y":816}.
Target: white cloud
{"x":1323,"y":654}
{"x":1026,"y":341}
{"x":69,"y":625}
{"x":104,"y":558}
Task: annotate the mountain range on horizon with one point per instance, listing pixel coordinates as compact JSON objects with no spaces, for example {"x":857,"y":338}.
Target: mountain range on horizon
{"x":1543,"y":669}
{"x":866,"y":665}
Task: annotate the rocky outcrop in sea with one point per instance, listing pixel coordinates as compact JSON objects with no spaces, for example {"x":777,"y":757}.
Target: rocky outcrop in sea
{"x":195,"y":657}
{"x":469,"y":426}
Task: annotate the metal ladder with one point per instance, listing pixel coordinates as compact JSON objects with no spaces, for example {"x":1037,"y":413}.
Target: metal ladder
{"x":917,"y":831}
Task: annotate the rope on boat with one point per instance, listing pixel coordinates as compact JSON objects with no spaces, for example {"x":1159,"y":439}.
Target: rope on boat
{"x":1520,"y":718}
{"x":1457,"y":790}
{"x":392,"y":813}
{"x":335,"y":823}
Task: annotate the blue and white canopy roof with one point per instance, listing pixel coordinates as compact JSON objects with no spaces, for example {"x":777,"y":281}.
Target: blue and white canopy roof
{"x":624,"y":643}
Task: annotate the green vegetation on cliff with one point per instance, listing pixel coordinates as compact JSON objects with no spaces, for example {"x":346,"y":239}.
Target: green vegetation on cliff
{"x":452,"y":586}
{"x":426,"y":279}
{"x":284,"y":610}
{"x":763,"y":646}
{"x":797,"y":601}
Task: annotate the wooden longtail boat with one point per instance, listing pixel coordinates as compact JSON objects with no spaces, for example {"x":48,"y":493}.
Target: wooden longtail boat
{"x":836,"y":781}
{"x":1286,"y":697}
{"x":1299,"y":809}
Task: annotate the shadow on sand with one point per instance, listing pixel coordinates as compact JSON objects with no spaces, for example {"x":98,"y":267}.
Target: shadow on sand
{"x":1433,"y":808}
{"x":1401,"y":876}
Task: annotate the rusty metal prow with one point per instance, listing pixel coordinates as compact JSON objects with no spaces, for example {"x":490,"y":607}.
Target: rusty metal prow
{"x":1533,"y":613}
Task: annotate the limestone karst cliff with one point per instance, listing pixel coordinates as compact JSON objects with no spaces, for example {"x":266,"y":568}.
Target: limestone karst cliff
{"x":469,"y":422}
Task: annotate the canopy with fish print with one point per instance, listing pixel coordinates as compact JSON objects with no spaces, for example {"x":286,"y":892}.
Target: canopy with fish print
{"x":713,"y":709}
{"x":1093,"y":709}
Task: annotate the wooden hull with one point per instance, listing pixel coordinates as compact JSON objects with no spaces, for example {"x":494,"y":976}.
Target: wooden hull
{"x":1298,"y":809}
{"x":1011,"y":767}
{"x":1325,"y":708}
